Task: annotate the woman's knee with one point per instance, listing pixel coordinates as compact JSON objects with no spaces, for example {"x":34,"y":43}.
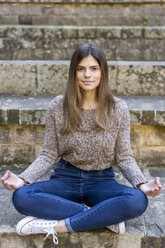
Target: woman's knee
{"x":19,"y":198}
{"x":139,"y":203}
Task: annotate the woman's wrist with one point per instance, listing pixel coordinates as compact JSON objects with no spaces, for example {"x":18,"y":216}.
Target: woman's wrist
{"x":25,"y":182}
{"x":139,"y":185}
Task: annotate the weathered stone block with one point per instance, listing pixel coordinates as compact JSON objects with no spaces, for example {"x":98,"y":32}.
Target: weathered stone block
{"x":30,"y":33}
{"x":17,"y":78}
{"x":32,"y":117}
{"x":112,"y":77}
{"x":89,"y":10}
{"x":47,"y":10}
{"x":148,"y":242}
{"x":148,"y":117}
{"x":16,"y":9}
{"x":152,"y":156}
{"x":8,"y":19}
{"x":13,"y":116}
{"x":135,"y":152}
{"x":137,"y":136}
{"x":160,"y":118}
{"x":128,"y":81}
{"x":135,"y":117}
{"x":139,"y":79}
{"x":3,"y":116}
{"x":1,"y":44}
{"x":37,"y":150}
{"x":17,"y":153}
{"x":69,"y":32}
{"x":52,"y":79}
{"x":34,"y":9}
{"x":25,"y":20}
{"x":52,"y":33}
{"x":131,"y":33}
{"x":37,"y":134}
{"x":84,"y":32}
{"x":105,"y":32}
{"x":154,"y":33}
{"x":155,"y":136}
{"x":6,"y":135}
{"x":21,"y":135}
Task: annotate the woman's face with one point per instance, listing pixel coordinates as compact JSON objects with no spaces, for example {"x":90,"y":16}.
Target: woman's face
{"x":88,"y":74}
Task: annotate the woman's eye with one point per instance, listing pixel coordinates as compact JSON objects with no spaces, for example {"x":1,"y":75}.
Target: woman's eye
{"x":79,"y":69}
{"x":95,"y":68}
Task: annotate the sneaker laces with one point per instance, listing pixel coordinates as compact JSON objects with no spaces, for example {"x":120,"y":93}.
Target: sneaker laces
{"x":39,"y":228}
{"x":54,"y":233}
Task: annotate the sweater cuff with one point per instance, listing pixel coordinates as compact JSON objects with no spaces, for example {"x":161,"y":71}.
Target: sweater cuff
{"x":26,"y":182}
{"x":25,"y":178}
{"x":139,"y":180}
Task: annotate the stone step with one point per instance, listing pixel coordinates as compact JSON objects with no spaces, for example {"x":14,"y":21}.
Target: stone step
{"x":145,"y":231}
{"x":22,"y":120}
{"x":78,"y":12}
{"x":50,"y":77}
{"x":30,"y":110}
{"x":135,"y":43}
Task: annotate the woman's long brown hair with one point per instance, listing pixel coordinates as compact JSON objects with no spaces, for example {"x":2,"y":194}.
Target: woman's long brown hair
{"x":73,"y":97}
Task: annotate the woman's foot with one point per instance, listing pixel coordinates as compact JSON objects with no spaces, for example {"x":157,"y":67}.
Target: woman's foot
{"x":34,"y":225}
{"x":117,"y":228}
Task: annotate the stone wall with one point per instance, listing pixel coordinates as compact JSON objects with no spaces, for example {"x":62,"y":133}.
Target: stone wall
{"x":23,"y":143}
{"x":20,"y":143}
{"x":89,"y":12}
{"x":59,"y":42}
{"x":148,"y":144}
{"x":45,"y":77}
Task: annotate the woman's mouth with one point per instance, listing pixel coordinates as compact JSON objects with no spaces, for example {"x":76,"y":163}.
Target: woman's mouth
{"x":87,"y":82}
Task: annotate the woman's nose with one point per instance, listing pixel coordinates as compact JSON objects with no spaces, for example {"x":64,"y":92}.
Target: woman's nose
{"x":87,"y":73}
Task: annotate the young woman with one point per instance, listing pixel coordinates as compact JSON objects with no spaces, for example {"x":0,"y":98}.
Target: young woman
{"x":89,"y":129}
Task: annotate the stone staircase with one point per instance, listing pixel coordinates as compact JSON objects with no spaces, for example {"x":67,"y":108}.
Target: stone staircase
{"x":45,"y":42}
{"x":37,"y":39}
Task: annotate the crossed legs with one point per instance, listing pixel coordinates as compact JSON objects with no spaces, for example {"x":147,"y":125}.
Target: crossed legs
{"x":54,"y":199}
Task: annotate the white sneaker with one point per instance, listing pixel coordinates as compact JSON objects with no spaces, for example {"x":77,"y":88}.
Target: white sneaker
{"x":117,"y":228}
{"x":34,"y":225}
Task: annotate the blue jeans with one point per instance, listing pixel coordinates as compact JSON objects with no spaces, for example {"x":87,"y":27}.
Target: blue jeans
{"x":69,"y":192}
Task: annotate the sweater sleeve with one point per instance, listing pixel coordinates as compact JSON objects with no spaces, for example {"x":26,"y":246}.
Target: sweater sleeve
{"x":124,"y":155}
{"x":49,"y":153}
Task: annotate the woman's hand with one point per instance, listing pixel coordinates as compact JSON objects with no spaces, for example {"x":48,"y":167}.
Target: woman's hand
{"x":12,"y":181}
{"x":152,"y":188}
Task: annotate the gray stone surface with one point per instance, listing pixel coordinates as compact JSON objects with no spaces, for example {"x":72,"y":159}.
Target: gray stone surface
{"x":145,"y":231}
{"x":16,"y":109}
{"x":50,"y":77}
{"x":32,"y":42}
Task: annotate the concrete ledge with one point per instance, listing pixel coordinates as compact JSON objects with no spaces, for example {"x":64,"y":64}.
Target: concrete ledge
{"x":50,"y":77}
{"x":25,"y":42}
{"x":144,"y":232}
{"x":30,"y":110}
